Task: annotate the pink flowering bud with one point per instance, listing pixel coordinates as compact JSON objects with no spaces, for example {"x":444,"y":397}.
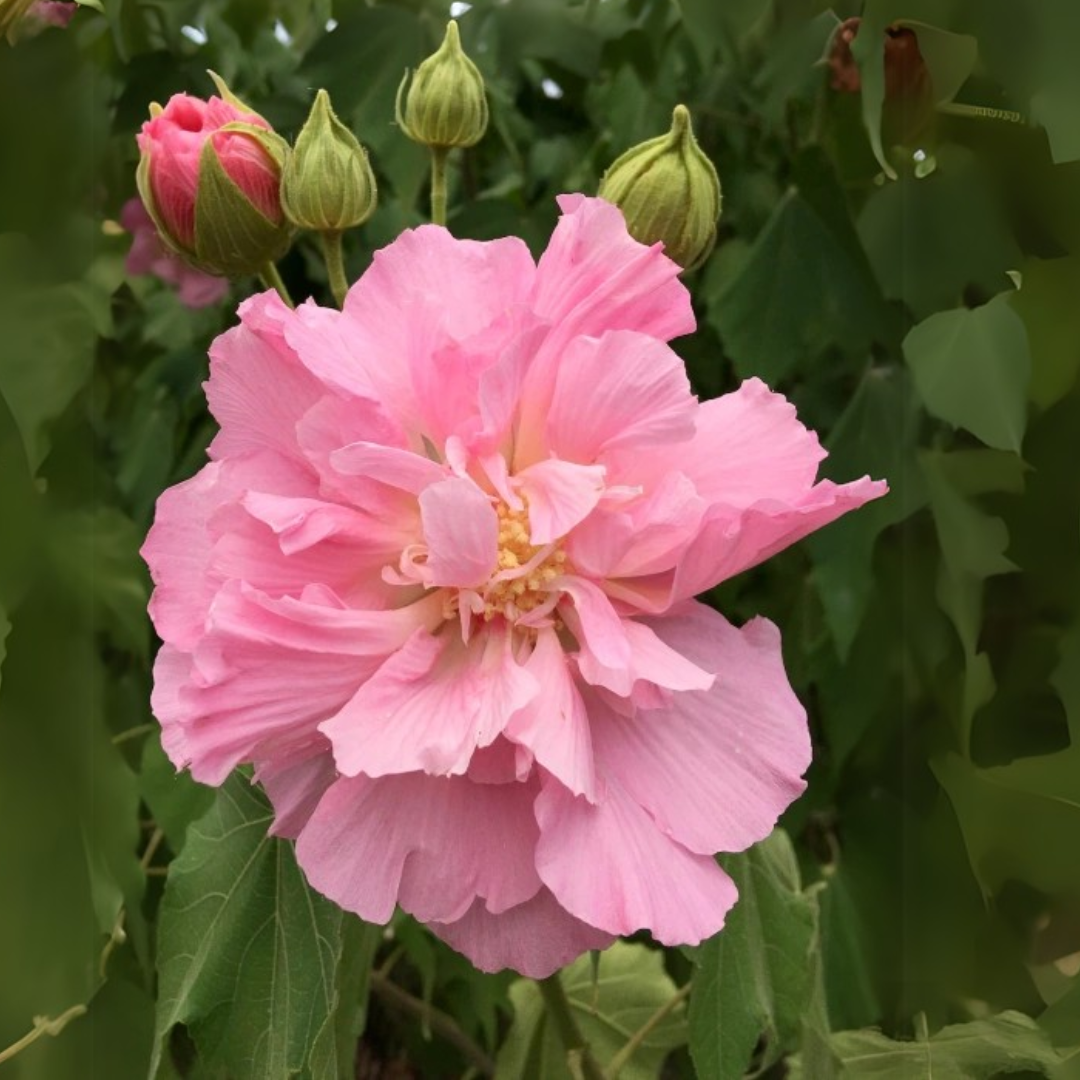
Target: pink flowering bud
{"x":209,"y":174}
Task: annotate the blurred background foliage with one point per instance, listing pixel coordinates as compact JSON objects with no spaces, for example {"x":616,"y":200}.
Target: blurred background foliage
{"x":903,"y":263}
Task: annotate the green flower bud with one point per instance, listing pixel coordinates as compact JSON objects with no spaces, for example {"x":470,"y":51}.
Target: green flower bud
{"x":445,"y":105}
{"x":668,"y":190}
{"x":327,"y":184}
{"x":236,"y":233}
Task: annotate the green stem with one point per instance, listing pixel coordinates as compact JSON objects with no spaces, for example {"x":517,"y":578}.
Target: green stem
{"x":335,"y":265}
{"x":270,"y":277}
{"x":558,"y":1008}
{"x":436,"y":1019}
{"x":622,"y":1058}
{"x":438,"y":184}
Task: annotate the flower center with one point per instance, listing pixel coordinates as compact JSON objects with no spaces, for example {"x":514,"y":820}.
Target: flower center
{"x":522,"y":582}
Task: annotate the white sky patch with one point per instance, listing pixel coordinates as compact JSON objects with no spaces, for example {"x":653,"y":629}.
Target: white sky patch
{"x":459,"y":8}
{"x":919,"y":155}
{"x":194,"y":33}
{"x":331,"y":25}
{"x":551,"y":89}
{"x":281,"y":33}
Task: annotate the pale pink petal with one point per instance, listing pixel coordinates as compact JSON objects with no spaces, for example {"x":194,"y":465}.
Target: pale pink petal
{"x":430,"y":315}
{"x":431,"y":705}
{"x":388,"y":465}
{"x":748,"y":447}
{"x":560,"y":495}
{"x":462,"y":533}
{"x":611,"y":866}
{"x":594,"y":276}
{"x":624,"y":390}
{"x":241,"y":701}
{"x":594,"y":622}
{"x":555,"y":725}
{"x":651,"y":660}
{"x":716,"y":767}
{"x":534,"y":939}
{"x":172,"y":670}
{"x":432,"y":844}
{"x":258,"y":389}
{"x":730,"y":543}
{"x":295,"y":785}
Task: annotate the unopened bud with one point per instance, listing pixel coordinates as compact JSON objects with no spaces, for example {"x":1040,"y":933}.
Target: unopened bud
{"x":445,"y":104}
{"x":327,"y":184}
{"x":668,"y":190}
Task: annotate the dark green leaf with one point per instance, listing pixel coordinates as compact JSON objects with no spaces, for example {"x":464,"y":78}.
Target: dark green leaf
{"x":754,"y":979}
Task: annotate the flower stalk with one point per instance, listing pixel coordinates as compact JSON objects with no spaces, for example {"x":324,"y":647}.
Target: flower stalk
{"x":270,"y":277}
{"x":438,"y":184}
{"x":335,"y":265}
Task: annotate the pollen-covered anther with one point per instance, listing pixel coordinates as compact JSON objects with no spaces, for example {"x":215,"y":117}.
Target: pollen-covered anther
{"x":522,"y":582}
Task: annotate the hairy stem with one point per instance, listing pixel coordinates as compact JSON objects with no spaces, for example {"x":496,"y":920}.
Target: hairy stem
{"x":335,"y":265}
{"x":438,"y":184}
{"x":558,"y":1008}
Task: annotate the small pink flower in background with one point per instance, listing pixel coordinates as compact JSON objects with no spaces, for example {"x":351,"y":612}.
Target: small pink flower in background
{"x":148,"y":255}
{"x":52,"y":12}
{"x":437,"y":583}
{"x":173,"y":141}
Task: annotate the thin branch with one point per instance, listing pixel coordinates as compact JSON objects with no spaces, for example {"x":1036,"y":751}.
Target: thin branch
{"x":42,"y":1026}
{"x":440,"y":1022}
{"x":633,"y":1044}
{"x":133,"y":733}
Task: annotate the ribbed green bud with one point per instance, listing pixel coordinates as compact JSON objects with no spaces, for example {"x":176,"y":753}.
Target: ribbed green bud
{"x":445,"y":104}
{"x":327,"y":184}
{"x":668,"y":190}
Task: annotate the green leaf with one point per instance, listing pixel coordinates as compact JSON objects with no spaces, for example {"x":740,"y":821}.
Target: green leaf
{"x":1006,"y":1043}
{"x":754,"y":977}
{"x":248,"y":955}
{"x":798,"y":293}
{"x":954,"y":352}
{"x":973,"y":548}
{"x":929,"y":239}
{"x":631,"y":988}
{"x":175,"y":799}
{"x":1046,"y":302}
{"x":97,"y":557}
{"x":875,"y":435}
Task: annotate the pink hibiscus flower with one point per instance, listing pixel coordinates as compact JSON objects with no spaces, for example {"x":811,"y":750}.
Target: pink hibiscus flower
{"x":437,"y":584}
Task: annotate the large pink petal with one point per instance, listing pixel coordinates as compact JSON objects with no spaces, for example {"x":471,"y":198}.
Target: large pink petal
{"x":430,"y":315}
{"x":623,"y":390}
{"x":594,"y":276}
{"x":432,"y":844}
{"x":267,"y":672}
{"x":534,"y":939}
{"x":258,"y":390}
{"x":611,"y":866}
{"x":731,"y":542}
{"x":561,"y":494}
{"x":462,"y":533}
{"x":194,"y":521}
{"x":555,"y":725}
{"x":432,"y":704}
{"x":715,"y":768}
